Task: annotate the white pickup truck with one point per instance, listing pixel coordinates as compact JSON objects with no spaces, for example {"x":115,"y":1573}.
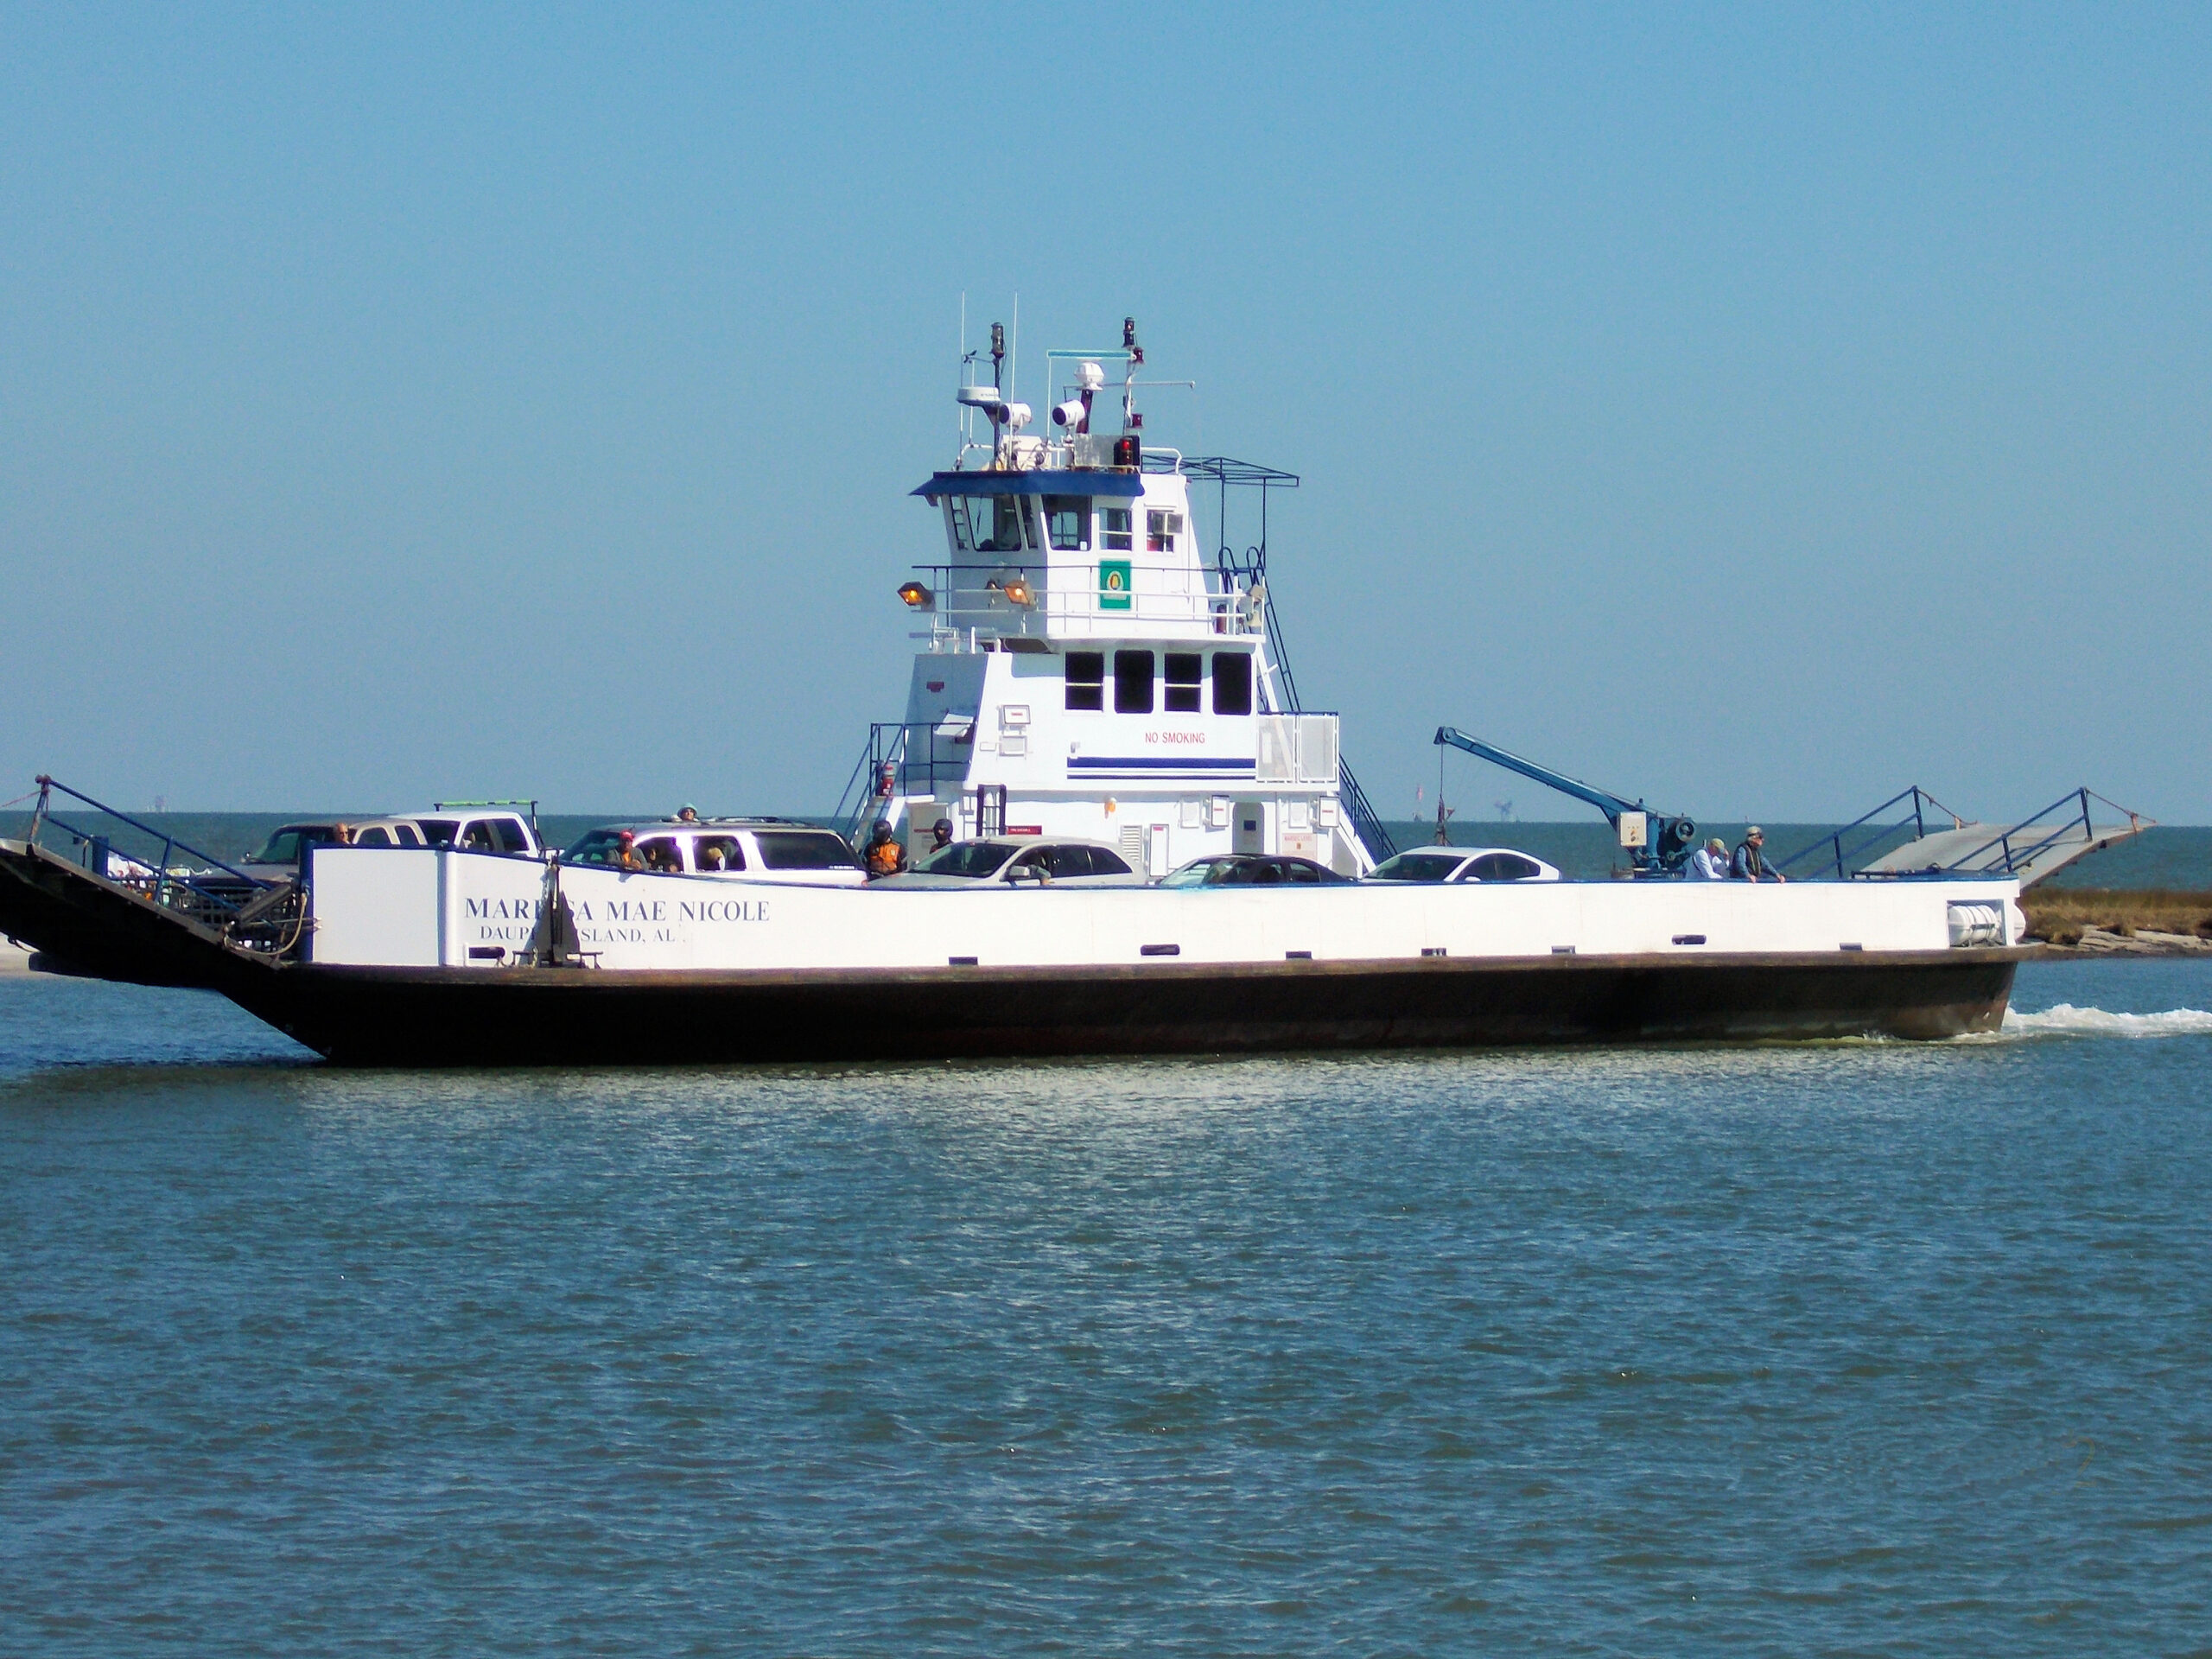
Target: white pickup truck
{"x":477,"y":827}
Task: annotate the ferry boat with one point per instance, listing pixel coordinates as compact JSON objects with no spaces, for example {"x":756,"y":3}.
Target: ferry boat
{"x":1084,"y":672}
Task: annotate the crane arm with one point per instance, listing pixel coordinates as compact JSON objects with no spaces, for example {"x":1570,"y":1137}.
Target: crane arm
{"x":1611,"y":806}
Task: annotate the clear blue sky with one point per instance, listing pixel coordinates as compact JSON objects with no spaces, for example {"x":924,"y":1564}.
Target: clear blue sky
{"x":1759,"y":410}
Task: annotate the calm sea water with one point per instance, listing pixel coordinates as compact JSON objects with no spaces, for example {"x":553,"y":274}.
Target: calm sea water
{"x":1852,"y":1347}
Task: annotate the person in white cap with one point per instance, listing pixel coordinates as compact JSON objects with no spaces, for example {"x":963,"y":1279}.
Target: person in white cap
{"x":1750,"y":862}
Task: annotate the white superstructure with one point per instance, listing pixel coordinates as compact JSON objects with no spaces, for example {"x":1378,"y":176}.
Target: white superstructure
{"x":1088,"y":668}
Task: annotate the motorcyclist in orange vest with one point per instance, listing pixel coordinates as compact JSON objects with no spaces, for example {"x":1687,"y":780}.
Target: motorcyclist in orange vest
{"x":885,"y":855}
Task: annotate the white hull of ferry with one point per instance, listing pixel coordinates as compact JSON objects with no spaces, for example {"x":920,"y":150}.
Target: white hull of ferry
{"x":406,"y":909}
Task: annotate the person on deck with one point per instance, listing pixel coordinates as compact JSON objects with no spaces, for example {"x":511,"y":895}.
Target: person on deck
{"x":687,"y":813}
{"x":1750,"y":862}
{"x":941,"y":838}
{"x":1710,"y":861}
{"x":624,"y":856}
{"x":885,"y":855}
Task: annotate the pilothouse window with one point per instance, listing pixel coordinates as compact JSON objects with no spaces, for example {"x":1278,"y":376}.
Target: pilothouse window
{"x":1117,"y":534}
{"x":1086,"y":679}
{"x":989,"y":524}
{"x":1067,"y":521}
{"x":1161,"y":529}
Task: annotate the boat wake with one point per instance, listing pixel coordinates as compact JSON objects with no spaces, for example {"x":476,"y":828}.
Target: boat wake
{"x":2065,"y":1020}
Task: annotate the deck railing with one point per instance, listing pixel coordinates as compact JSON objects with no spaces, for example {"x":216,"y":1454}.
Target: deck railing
{"x":216,"y":895}
{"x":1838,"y":861}
{"x":967,"y":597}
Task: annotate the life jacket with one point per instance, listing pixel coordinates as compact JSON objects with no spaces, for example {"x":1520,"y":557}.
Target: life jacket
{"x":883,"y":858}
{"x":1753,"y":863}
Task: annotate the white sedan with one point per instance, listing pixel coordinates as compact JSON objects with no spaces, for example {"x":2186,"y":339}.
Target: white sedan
{"x":972,"y":865}
{"x":1463,"y":864}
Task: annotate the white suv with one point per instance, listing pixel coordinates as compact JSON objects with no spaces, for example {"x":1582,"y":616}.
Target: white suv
{"x":732,"y":849}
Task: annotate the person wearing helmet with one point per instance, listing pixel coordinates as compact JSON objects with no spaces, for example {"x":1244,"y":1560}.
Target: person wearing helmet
{"x":885,"y":855}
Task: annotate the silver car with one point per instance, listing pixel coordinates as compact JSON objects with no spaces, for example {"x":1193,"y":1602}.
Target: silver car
{"x":976,"y":865}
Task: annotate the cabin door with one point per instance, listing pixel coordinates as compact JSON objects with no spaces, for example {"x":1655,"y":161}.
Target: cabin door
{"x":990,"y":810}
{"x":1251,"y":828}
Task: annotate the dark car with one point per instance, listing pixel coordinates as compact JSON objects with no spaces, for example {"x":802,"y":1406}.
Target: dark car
{"x":1251,"y":870}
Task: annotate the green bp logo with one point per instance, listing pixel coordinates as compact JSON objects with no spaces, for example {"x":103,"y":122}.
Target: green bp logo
{"x":1114,"y":585}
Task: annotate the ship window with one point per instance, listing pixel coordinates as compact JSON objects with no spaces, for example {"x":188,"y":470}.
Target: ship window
{"x":1232,"y":682}
{"x":988,"y":524}
{"x":1067,"y":518}
{"x":711,"y":854}
{"x":1117,"y":533}
{"x":1086,"y":679}
{"x":1184,"y":672}
{"x":1132,"y":681}
{"x":1029,"y":521}
{"x":1161,"y":529}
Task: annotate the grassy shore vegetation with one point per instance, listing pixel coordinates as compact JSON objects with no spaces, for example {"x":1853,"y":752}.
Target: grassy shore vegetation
{"x":2059,"y":914}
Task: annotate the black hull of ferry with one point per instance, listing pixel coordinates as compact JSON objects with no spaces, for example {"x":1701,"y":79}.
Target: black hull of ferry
{"x":445,"y":1017}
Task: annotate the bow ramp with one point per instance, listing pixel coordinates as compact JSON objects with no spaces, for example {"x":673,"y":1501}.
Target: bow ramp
{"x":2033,"y":850}
{"x":109,"y":897}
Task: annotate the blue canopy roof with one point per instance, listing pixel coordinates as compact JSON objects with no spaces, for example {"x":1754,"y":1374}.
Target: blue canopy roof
{"x":1085,"y":482}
